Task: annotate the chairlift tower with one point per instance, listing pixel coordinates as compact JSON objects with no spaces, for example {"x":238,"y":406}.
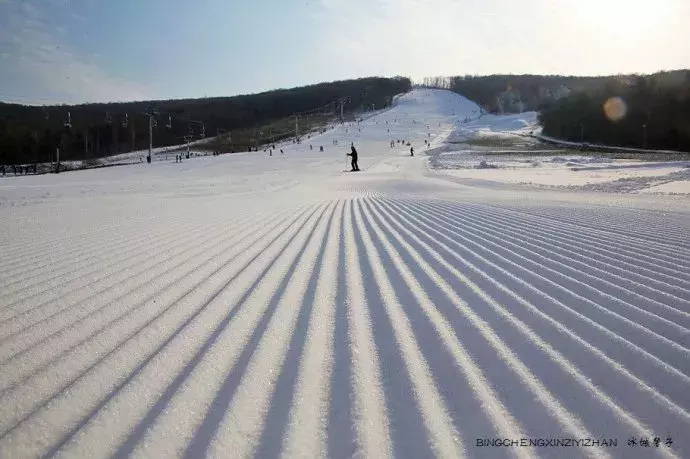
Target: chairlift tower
{"x":151,"y":114}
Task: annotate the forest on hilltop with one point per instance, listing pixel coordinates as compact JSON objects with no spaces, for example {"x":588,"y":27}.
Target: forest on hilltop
{"x":31,"y":134}
{"x":657,"y":106}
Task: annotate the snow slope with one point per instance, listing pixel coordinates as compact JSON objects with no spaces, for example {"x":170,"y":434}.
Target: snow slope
{"x":247,"y":305}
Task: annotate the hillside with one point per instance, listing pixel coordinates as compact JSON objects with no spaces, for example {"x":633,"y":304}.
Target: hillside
{"x":30,"y":134}
{"x":657,"y":106}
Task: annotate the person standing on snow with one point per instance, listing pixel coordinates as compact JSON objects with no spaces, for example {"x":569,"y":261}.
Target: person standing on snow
{"x":355,"y":167}
{"x":411,"y":151}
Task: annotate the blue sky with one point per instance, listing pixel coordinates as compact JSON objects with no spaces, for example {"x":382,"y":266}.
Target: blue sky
{"x":54,"y":51}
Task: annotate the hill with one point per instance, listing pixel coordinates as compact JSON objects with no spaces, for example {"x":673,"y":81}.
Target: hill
{"x":657,"y":106}
{"x":30,"y":134}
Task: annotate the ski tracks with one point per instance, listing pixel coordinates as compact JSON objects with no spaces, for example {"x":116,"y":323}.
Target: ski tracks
{"x":365,"y":325}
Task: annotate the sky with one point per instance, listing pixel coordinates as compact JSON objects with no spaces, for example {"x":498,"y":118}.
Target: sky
{"x":72,"y":51}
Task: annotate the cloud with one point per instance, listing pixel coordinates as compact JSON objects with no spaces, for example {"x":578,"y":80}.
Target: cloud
{"x":451,"y":37}
{"x":39,"y":64}
{"x":411,"y":37}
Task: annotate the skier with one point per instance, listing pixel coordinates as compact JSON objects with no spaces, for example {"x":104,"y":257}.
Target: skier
{"x":355,"y":167}
{"x":311,"y":147}
{"x":321,"y":148}
{"x":411,"y":151}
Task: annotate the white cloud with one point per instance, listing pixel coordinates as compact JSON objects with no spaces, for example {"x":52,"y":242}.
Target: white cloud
{"x":39,"y":65}
{"x":450,"y":37}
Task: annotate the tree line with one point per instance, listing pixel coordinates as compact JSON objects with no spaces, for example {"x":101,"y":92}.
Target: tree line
{"x":495,"y":92}
{"x":31,"y":134}
{"x":657,"y":106}
{"x":651,"y":112}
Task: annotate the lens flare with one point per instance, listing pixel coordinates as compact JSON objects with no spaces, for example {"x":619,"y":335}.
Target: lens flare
{"x":615,"y":109}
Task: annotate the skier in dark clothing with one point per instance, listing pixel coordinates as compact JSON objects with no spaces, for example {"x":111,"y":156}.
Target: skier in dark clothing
{"x":411,"y":151}
{"x":355,"y":167}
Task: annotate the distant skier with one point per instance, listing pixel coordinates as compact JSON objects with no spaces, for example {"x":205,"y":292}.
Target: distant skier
{"x":411,"y":151}
{"x":311,"y":147}
{"x":321,"y":148}
{"x":282,"y":152}
{"x":355,"y":167}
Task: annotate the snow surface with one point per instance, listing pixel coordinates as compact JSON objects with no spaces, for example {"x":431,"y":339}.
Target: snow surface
{"x":583,"y":172}
{"x":246,"y":305}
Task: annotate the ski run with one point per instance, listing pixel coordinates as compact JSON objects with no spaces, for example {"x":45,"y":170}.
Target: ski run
{"x":250,"y":305}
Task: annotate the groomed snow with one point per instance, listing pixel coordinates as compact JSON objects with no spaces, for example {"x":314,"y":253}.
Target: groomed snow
{"x":253,"y":306}
{"x":675,"y":187}
{"x":557,"y":171}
